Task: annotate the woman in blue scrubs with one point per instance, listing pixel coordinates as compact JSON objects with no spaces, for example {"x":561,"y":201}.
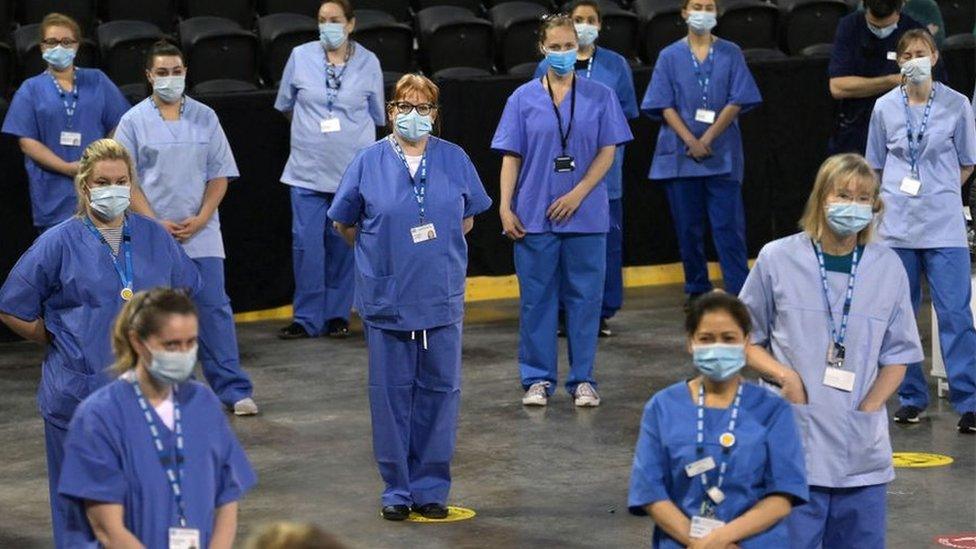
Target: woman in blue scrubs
{"x":719,"y":461}
{"x":558,"y":135}
{"x":150,"y":459}
{"x":184,"y":164}
{"x":332,"y":91}
{"x":55,"y":115}
{"x":613,"y":71}
{"x":405,"y":204}
{"x":65,"y":290}
{"x":699,"y":87}
{"x":922,"y":139}
{"x":833,"y":327}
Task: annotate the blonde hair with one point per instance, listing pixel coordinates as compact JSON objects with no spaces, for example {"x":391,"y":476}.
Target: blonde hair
{"x":97,"y":151}
{"x":552,"y":21}
{"x":837,"y":172}
{"x":59,"y":20}
{"x":144,"y":315}
{"x":293,"y":535}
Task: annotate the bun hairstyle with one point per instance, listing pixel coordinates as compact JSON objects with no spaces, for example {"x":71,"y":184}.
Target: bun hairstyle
{"x":144,"y":314}
{"x":97,"y":151}
{"x":163,"y":48}
{"x":717,"y":300}
{"x":552,"y":21}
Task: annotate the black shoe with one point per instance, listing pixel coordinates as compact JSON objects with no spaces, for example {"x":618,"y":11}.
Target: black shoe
{"x":434,"y":511}
{"x":967,"y":423}
{"x":909,"y":414}
{"x":604,"y":329}
{"x":293,"y":331}
{"x":561,"y":330}
{"x":338,"y":328}
{"x":692,"y":298}
{"x":396,"y":512}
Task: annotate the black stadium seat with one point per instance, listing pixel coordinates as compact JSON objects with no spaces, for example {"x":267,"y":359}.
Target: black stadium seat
{"x":123,"y":46}
{"x":473,"y":5}
{"x":280,"y":33}
{"x":7,"y":72}
{"x":368,"y":17}
{"x":391,"y":42}
{"x":217,"y":48}
{"x":759,"y":55}
{"x":82,"y":11}
{"x":6,"y":18}
{"x":27,"y":45}
{"x":958,"y":53}
{"x":454,"y":37}
{"x":959,"y":16}
{"x":526,"y":70}
{"x":135,"y":92}
{"x":749,"y":23}
{"x":240,"y":11}
{"x":546,"y":4}
{"x":399,"y":9}
{"x":223,"y":86}
{"x":817,"y":50}
{"x":161,"y":13}
{"x":460,"y":73}
{"x":516,"y":27}
{"x":808,"y":22}
{"x":660,"y":25}
{"x":301,"y":7}
{"x":619,"y":29}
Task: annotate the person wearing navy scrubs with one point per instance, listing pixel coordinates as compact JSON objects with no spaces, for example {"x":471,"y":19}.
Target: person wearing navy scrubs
{"x":922,"y":140}
{"x":405,"y":204}
{"x":65,"y":291}
{"x":150,"y":459}
{"x":332,"y":91}
{"x":184,"y":163}
{"x":719,"y":460}
{"x":55,"y":115}
{"x":699,"y":86}
{"x":612,"y":70}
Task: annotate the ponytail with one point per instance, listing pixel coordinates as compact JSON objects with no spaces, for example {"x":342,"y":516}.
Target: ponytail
{"x":144,"y":314}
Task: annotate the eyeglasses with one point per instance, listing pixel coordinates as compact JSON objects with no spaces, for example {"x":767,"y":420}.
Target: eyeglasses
{"x":66,"y":42}
{"x":422,"y":109}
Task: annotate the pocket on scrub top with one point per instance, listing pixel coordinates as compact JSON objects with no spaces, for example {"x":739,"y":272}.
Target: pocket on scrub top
{"x":868,"y":445}
{"x":68,"y":390}
{"x":379,"y":295}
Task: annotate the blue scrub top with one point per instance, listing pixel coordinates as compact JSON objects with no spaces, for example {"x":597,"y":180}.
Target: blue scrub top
{"x":318,"y":160}
{"x":933,"y":218}
{"x":674,"y":84}
{"x":613,"y":71}
{"x":401,"y":285}
{"x":767,"y":458}
{"x":109,"y":457}
{"x":67,"y":278}
{"x":529,"y":129}
{"x":37,"y":112}
{"x":845,"y":447}
{"x":174,"y":161}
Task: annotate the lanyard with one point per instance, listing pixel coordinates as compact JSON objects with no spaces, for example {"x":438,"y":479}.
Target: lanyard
{"x":915,"y":142}
{"x":333,"y":78}
{"x":419,"y":188}
{"x":160,"y":113}
{"x":838,"y":338}
{"x":589,"y":65}
{"x":564,"y":137}
{"x":707,"y":509}
{"x":69,"y":110}
{"x":124,"y":270}
{"x":175,"y":477}
{"x":703,"y":77}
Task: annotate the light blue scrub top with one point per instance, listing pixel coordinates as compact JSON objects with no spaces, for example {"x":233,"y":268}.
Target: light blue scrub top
{"x":67,"y":277}
{"x":175,"y":159}
{"x":674,"y":84}
{"x":529,"y":129}
{"x":37,"y":112}
{"x":401,"y":285}
{"x":767,"y":459}
{"x":612,"y":70}
{"x":318,"y":160}
{"x":844,"y":447}
{"x":934,"y":218}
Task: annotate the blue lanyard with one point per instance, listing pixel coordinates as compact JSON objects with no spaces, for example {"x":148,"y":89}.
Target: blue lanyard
{"x":839,"y":349}
{"x":703,"y":77}
{"x":915,"y":141}
{"x":124,"y":270}
{"x":419,"y":188}
{"x":69,"y":109}
{"x":333,"y":78}
{"x":175,"y":478}
{"x":589,"y":66}
{"x":707,"y":508}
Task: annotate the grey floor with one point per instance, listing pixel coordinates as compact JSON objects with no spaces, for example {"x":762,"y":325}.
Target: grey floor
{"x":537,"y":478}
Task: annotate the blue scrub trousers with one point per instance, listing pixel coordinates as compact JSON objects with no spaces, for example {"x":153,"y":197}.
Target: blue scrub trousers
{"x":414,"y":398}
{"x":840,"y":518}
{"x":719,"y":200}
{"x":554,"y":268}
{"x":219,"y":356}
{"x":322,"y":262}
{"x":64,"y":515}
{"x":947,"y":270}
{"x":613,"y":287}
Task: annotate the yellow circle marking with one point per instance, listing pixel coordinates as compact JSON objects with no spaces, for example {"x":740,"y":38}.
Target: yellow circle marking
{"x":454,"y":514}
{"x":920,"y":459}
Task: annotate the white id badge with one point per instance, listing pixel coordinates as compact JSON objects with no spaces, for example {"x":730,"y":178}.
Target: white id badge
{"x":839,"y":378}
{"x":184,"y":538}
{"x":329,"y":125}
{"x":703,"y":465}
{"x":705,"y":115}
{"x":716,"y":495}
{"x":71,"y":139}
{"x":892,"y":56}
{"x":423,"y":233}
{"x":701,"y":526}
{"x":910,"y":185}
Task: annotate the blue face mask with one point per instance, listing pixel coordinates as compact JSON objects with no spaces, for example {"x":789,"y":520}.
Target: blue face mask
{"x":586,"y":33}
{"x":332,"y":34}
{"x":59,"y":57}
{"x":847,"y":218}
{"x":701,"y":22}
{"x":882,"y":32}
{"x":563,"y":62}
{"x":719,"y":361}
{"x":412,"y":126}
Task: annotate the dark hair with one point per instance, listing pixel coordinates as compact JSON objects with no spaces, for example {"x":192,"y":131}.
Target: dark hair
{"x":346,"y":6}
{"x":882,"y":8}
{"x":717,"y":300}
{"x":552,"y":21}
{"x":163,"y":48}
{"x":686,"y":2}
{"x":571,"y":7}
{"x":144,"y":314}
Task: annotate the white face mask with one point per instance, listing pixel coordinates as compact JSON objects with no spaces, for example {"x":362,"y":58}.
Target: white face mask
{"x":109,"y":201}
{"x":172,"y":367}
{"x":917,"y":70}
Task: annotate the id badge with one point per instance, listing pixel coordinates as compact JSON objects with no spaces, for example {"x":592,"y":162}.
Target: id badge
{"x":838,"y":378}
{"x":184,"y":538}
{"x":423,"y":233}
{"x":71,"y":139}
{"x":564,"y":164}
{"x":910,"y":185}
{"x":892,"y":56}
{"x":705,"y":115}
{"x":703,"y":465}
{"x":329,"y":125}
{"x":716,"y":495}
{"x":701,"y":526}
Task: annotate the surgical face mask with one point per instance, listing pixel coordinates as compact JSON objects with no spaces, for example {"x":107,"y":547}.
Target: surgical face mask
{"x":332,"y":34}
{"x":172,"y":367}
{"x":882,"y":32}
{"x":719,"y":361}
{"x":59,"y":57}
{"x":412,"y":126}
{"x":169,"y":88}
{"x":563,"y":62}
{"x":586,"y":33}
{"x":917,"y":70}
{"x":110,"y":201}
{"x":701,"y":22}
{"x":847,"y":218}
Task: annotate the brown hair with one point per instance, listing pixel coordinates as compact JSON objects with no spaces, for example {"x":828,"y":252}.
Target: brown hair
{"x":144,"y":314}
{"x":97,"y":151}
{"x":717,"y":300}
{"x":59,"y":20}
{"x":346,"y":6}
{"x":836,"y":171}
{"x":163,"y":48}
{"x":685,"y":5}
{"x":552,"y":21}
{"x":587,"y":3}
{"x":293,"y":535}
{"x":913,"y":35}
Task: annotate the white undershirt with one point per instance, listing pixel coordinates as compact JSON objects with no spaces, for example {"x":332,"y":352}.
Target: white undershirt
{"x":413,"y":162}
{"x":165,"y":408}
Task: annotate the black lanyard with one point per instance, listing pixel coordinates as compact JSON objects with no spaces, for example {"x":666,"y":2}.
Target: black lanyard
{"x":564,"y":137}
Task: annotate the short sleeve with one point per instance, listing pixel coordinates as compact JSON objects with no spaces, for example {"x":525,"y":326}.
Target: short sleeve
{"x":844,"y":54}
{"x":347,"y":205}
{"x":125,"y":134}
{"x":510,"y":133}
{"x":236,"y":475}
{"x":614,"y":129}
{"x":376,"y":93}
{"x":220,"y":159}
{"x":900,"y":344}
{"x":660,"y":91}
{"x":964,"y":135}
{"x":757,"y":296}
{"x":21,"y":119}
{"x":285,"y":101}
{"x":743,"y":90}
{"x":877,"y":147}
{"x":475,"y":198}
{"x":92,"y":465}
{"x":625,"y":90}
{"x":785,"y":471}
{"x":541,"y":68}
{"x":650,"y":464}
{"x":115,"y":103}
{"x":32,"y":280}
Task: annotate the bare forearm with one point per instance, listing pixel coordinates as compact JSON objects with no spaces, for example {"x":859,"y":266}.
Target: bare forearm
{"x":673,"y":119}
{"x":467,"y":224}
{"x":33,"y":330}
{"x":760,"y":360}
{"x":767,"y":512}
{"x":38,"y":152}
{"x":212,"y":197}
{"x":723,"y":121}
{"x":507,"y":180}
{"x":671,"y":519}
{"x":885,"y":385}
{"x":599,"y":167}
{"x":225,"y":527}
{"x":108,"y":527}
{"x":139,"y":203}
{"x":347,"y":232}
{"x":965,"y":172}
{"x":851,"y":87}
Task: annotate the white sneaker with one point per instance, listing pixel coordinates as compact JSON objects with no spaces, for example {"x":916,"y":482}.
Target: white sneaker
{"x":586,"y":396}
{"x":537,"y":395}
{"x":245,"y":407}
